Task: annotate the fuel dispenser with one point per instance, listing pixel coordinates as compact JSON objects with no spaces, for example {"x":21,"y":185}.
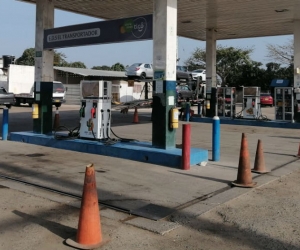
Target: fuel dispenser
{"x":251,"y":103}
{"x":284,"y":103}
{"x":95,"y":110}
{"x":297,"y":105}
{"x":211,"y":103}
{"x":226,"y":101}
{"x":42,"y":107}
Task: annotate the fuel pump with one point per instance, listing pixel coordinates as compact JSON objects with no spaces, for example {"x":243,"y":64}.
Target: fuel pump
{"x":297,"y":104}
{"x":211,"y":103}
{"x":226,"y":101}
{"x":95,"y":110}
{"x":251,"y":102}
{"x":284,"y":103}
{"x":42,"y":107}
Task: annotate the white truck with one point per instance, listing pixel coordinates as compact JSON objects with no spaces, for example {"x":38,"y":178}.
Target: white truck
{"x":20,"y":81}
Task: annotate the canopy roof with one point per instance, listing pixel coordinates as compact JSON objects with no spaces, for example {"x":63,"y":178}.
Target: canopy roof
{"x":230,"y":18}
{"x":92,"y":72}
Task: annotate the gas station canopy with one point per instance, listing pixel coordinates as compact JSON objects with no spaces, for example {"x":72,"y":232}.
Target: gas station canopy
{"x":230,"y":18}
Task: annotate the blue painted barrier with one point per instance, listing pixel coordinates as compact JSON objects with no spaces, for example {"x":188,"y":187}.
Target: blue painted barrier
{"x":137,"y":151}
{"x":187,"y":112}
{"x":216,"y":139}
{"x":5,"y":124}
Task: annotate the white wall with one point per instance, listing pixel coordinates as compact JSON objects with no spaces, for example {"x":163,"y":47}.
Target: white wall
{"x":126,"y":93}
{"x":72,"y":94}
{"x":20,"y":78}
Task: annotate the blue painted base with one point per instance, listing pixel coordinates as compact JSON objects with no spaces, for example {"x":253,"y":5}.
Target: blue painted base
{"x":137,"y":151}
{"x":259,"y":123}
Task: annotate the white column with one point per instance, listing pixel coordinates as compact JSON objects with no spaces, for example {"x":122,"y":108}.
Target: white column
{"x":165,"y":37}
{"x":164,"y":65}
{"x":43,"y":58}
{"x":211,"y":47}
{"x":297,"y":53}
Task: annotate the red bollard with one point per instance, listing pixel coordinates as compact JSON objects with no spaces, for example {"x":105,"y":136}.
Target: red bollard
{"x":186,"y":147}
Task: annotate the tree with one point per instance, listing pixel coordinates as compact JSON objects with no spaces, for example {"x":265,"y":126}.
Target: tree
{"x":118,"y":67}
{"x":275,"y":71}
{"x":249,"y":74}
{"x":283,"y":54}
{"x":76,"y":65}
{"x":229,"y":60}
{"x":104,"y":67}
{"x":27,"y":57}
{"x":59,"y":59}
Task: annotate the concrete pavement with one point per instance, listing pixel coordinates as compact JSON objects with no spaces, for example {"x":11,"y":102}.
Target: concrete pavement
{"x":152,"y":194}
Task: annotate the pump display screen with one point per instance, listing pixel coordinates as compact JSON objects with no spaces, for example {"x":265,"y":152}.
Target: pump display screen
{"x":89,"y":89}
{"x":95,"y":89}
{"x":251,"y":91}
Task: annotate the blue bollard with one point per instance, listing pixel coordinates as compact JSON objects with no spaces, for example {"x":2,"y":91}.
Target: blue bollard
{"x":199,"y":108}
{"x":187,"y":112}
{"x":5,"y":124}
{"x":216,"y":139}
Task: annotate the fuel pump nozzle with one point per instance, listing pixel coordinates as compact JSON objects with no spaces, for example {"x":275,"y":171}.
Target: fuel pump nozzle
{"x":93,"y":110}
{"x":109,"y":114}
{"x":82,"y":109}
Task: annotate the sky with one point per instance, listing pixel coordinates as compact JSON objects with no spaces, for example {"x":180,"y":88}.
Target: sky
{"x":18,"y":33}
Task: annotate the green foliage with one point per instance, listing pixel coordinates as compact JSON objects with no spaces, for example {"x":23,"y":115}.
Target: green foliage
{"x":229,"y":61}
{"x":76,"y":65}
{"x":275,"y":71}
{"x":236,"y":68}
{"x":27,"y":57}
{"x":104,"y":67}
{"x":118,"y":67}
{"x":115,"y":67}
{"x":59,"y":59}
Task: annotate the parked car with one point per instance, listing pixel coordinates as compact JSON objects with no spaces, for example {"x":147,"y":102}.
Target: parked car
{"x":182,"y":73}
{"x":202,"y":74}
{"x":183,"y":92}
{"x":227,"y":99}
{"x":6,"y":98}
{"x":199,"y":72}
{"x":266,"y":99}
{"x":145,"y":71}
{"x":139,"y":71}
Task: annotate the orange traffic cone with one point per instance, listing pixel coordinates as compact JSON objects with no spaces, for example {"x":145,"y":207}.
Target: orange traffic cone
{"x":259,"y":164}
{"x":298,"y":155}
{"x":56,"y":120}
{"x":244,"y":177}
{"x":135,"y":116}
{"x":89,"y":234}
